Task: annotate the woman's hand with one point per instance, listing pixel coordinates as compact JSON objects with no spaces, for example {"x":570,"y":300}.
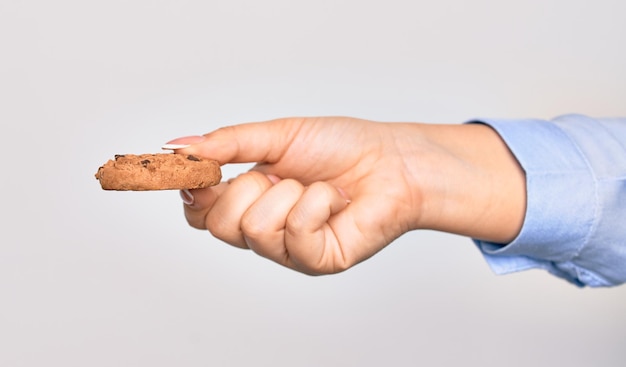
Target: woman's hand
{"x":327,"y":193}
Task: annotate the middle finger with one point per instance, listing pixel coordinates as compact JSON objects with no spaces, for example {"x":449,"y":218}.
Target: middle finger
{"x":224,"y":218}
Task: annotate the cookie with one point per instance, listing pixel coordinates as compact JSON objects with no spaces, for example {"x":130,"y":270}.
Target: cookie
{"x":164,"y":171}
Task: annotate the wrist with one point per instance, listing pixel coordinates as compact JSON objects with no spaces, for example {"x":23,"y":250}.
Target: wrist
{"x":468,"y":181}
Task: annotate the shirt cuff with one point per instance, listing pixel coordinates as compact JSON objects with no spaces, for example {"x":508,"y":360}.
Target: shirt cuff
{"x":561,"y":203}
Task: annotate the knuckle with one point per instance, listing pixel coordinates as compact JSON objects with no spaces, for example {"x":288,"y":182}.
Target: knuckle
{"x":195,"y":220}
{"x":224,"y":131}
{"x":321,"y":188}
{"x":296,"y":222}
{"x":252,"y":227}
{"x":253,"y":181}
{"x":217,"y":226}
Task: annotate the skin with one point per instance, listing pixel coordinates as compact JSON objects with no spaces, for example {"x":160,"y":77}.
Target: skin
{"x":327,"y":193}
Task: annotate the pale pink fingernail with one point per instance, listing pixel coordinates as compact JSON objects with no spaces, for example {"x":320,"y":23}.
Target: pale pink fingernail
{"x":273,"y":178}
{"x":186,"y":196}
{"x":344,"y":194}
{"x":184,"y":142}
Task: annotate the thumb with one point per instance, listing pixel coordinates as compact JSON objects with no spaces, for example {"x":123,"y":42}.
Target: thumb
{"x":252,"y":142}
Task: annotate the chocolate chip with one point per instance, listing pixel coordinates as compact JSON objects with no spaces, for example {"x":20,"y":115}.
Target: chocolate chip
{"x":119,"y":156}
{"x":192,"y":158}
{"x":145,"y":162}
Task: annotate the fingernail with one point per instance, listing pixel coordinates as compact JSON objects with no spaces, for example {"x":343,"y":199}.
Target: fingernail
{"x":344,"y":194}
{"x":184,"y":142}
{"x":186,"y":196}
{"x":274,"y":179}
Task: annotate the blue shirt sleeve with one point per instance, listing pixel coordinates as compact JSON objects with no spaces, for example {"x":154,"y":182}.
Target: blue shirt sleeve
{"x":575,"y":222}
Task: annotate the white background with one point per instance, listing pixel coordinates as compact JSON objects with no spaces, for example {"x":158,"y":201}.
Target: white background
{"x":95,"y":278}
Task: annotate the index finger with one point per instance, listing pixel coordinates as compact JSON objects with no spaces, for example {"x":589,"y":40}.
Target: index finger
{"x":244,"y":143}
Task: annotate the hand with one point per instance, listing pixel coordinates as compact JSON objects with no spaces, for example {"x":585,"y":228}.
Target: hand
{"x":327,"y":193}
